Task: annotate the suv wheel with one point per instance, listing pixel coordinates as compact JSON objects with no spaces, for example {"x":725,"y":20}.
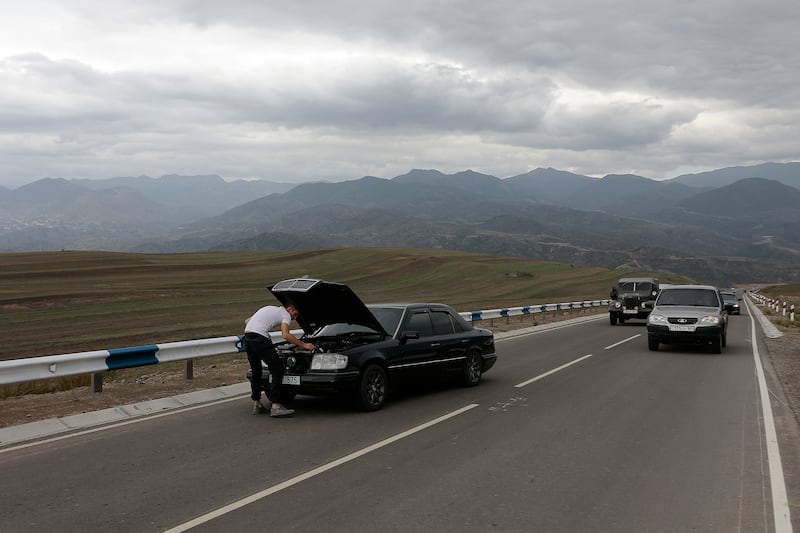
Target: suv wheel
{"x":613,"y":318}
{"x":652,"y":344}
{"x":717,"y":344}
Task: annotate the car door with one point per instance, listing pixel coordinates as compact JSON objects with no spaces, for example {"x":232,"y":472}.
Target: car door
{"x":451,"y":341}
{"x":419,"y":349}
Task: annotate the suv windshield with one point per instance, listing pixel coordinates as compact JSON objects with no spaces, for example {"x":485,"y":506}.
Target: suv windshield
{"x":696,"y":297}
{"x":635,"y":286}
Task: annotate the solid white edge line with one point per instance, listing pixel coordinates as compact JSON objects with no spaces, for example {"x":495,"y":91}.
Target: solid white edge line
{"x":622,"y":341}
{"x":541,"y":376}
{"x":311,"y":473}
{"x":780,"y":501}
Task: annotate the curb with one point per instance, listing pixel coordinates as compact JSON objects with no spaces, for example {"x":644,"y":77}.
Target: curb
{"x":770,"y":330}
{"x":55,"y":426}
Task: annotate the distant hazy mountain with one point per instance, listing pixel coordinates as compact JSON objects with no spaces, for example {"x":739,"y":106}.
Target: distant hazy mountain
{"x":205,"y":195}
{"x":744,"y":231}
{"x":786,"y":173}
{"x":115,"y":213}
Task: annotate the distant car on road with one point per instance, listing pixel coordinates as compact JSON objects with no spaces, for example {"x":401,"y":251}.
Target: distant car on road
{"x":366,"y":351}
{"x":688,"y":314}
{"x":731,"y":301}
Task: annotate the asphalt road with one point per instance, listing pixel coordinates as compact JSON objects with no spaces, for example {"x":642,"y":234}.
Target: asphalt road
{"x":579,"y":428}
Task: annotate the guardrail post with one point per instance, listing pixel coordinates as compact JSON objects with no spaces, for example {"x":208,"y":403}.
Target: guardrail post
{"x":189,"y":368}
{"x":791,"y":315}
{"x":784,"y":309}
{"x":97,"y":382}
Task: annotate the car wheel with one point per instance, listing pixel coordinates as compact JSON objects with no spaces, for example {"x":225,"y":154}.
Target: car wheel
{"x":652,"y":344}
{"x":372,"y":388}
{"x":724,"y":339}
{"x":612,"y":318}
{"x":472,"y":369}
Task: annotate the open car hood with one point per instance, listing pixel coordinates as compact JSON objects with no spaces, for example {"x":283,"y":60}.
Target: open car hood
{"x":321,"y":303}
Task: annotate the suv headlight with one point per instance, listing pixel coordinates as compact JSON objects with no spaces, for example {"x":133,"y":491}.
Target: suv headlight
{"x":328,"y":361}
{"x":657,"y":319}
{"x":709,"y":320}
{"x":617,"y":305}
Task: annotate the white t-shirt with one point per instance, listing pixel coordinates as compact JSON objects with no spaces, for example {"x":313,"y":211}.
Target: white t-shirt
{"x":267,"y":318}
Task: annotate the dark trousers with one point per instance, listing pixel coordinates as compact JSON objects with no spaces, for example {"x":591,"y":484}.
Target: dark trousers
{"x":261,"y":349}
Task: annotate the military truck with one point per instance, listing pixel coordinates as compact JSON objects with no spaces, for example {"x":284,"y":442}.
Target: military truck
{"x":628,"y":299}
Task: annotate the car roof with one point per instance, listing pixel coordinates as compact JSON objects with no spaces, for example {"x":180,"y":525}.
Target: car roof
{"x":707,"y":287}
{"x":409,"y":304}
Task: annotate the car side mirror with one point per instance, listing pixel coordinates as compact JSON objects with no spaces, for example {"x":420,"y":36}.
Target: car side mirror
{"x":413,"y":335}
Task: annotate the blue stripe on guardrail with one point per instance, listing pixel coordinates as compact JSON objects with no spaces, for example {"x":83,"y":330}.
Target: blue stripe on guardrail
{"x":476,"y":315}
{"x":241,"y":346}
{"x":131,"y":357}
{"x":504,"y":313}
{"x":526,"y":310}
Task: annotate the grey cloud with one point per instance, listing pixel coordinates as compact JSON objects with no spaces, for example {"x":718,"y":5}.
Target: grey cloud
{"x":683,"y":84}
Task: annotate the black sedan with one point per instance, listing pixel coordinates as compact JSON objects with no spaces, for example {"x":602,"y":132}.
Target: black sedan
{"x":368,"y":350}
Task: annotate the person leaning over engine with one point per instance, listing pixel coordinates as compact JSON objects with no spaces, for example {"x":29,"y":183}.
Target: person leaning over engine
{"x":259,"y":348}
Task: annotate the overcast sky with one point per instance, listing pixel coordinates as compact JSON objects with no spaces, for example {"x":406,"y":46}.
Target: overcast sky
{"x":331,"y":90}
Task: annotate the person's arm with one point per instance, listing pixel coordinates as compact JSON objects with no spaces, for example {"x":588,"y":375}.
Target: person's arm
{"x":287,"y":335}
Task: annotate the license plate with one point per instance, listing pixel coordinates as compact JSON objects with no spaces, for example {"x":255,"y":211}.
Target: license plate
{"x":673,"y":327}
{"x":630,"y":311}
{"x":288,"y":380}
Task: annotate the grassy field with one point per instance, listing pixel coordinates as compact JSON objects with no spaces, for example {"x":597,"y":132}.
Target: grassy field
{"x":63,"y":302}
{"x":789,"y":292}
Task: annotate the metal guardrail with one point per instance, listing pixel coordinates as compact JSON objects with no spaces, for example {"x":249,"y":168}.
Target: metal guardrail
{"x":99,"y":361}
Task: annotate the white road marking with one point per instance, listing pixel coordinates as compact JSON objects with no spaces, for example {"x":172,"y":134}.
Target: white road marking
{"x":780,"y":502}
{"x":623,"y":341}
{"x":562,"y":367}
{"x":311,"y":473}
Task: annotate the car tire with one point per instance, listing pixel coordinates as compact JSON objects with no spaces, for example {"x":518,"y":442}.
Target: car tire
{"x":724,"y":339}
{"x":612,"y":318}
{"x":373,"y":387}
{"x":652,"y":344}
{"x":473,"y":366}
{"x":716,"y":345}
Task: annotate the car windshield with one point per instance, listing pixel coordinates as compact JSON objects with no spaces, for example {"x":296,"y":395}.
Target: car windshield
{"x":340,"y":329}
{"x":635,"y":286}
{"x":696,"y":297}
{"x":729,"y":297}
{"x":389,"y":317}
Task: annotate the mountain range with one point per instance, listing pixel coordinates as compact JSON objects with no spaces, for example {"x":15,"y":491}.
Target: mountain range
{"x":733,"y":225}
